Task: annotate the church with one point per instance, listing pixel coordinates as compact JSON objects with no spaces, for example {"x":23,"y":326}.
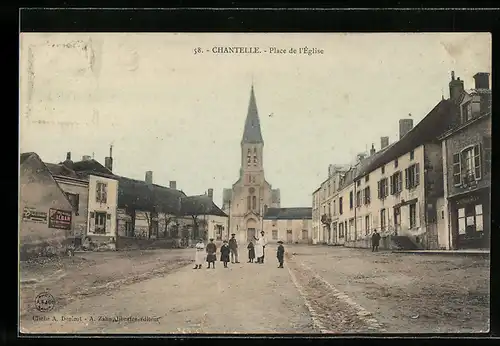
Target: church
{"x":251,"y":195}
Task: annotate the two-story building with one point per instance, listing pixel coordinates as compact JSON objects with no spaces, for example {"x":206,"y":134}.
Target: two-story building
{"x":316,"y":215}
{"x":346,"y":210}
{"x":466,"y":151}
{"x":405,"y":186}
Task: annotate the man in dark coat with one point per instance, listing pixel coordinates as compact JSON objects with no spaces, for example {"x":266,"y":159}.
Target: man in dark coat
{"x":233,"y":245}
{"x":280,"y":253}
{"x":224,"y":253}
{"x":211,"y":250}
{"x":375,"y":240}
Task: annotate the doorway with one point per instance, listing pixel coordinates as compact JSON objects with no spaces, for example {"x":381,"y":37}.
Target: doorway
{"x":289,"y":236}
{"x":250,"y":234}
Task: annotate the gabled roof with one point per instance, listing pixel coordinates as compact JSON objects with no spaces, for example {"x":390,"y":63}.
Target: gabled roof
{"x":288,"y":213}
{"x":25,"y":156}
{"x":437,"y":121}
{"x":200,"y":205}
{"x":61,"y":170}
{"x":252,"y":132}
{"x":90,"y":166}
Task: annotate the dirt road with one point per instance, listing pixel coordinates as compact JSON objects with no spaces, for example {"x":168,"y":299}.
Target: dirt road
{"x":245,"y":298}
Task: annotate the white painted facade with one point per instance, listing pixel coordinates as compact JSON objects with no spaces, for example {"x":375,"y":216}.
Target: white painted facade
{"x":102,"y":207}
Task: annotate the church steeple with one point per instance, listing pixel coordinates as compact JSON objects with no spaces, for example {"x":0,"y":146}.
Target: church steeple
{"x":252,"y":133}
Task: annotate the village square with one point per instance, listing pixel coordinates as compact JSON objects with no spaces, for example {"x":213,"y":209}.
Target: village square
{"x":395,"y":241}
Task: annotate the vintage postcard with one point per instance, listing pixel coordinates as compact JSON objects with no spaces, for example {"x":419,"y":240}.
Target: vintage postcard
{"x":175,"y":183}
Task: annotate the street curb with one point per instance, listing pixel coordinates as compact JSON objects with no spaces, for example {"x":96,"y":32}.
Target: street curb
{"x":444,"y":253}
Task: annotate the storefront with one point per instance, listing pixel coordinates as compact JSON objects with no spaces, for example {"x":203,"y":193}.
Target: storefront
{"x":470,"y":220}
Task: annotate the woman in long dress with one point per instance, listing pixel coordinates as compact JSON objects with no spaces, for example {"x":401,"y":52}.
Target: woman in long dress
{"x":259,"y":249}
{"x":200,"y":254}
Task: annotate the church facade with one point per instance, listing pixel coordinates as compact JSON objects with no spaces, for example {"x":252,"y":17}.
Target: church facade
{"x":251,"y":195}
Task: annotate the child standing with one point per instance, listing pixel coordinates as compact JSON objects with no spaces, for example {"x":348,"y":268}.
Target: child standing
{"x":224,"y":253}
{"x":211,"y":250}
{"x":251,"y":252}
{"x":280,"y":254}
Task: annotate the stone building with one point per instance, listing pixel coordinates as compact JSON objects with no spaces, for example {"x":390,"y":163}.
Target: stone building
{"x":46,"y":214}
{"x":466,"y":155}
{"x":251,"y":194}
{"x":290,"y":225}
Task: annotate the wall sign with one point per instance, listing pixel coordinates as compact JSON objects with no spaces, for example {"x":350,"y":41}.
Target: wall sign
{"x":33,"y":215}
{"x":60,"y":219}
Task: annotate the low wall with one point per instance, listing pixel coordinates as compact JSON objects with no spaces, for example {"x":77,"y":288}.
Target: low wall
{"x":130,"y":243}
{"x":366,"y":243}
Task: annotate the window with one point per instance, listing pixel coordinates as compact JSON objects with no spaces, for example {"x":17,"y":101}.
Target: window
{"x":329,"y":190}
{"x":254,"y":202}
{"x":367,"y":178}
{"x":304,"y":234}
{"x":366,"y":195}
{"x":467,"y":165}
{"x":340,"y":205}
{"x":383,"y":169}
{"x":412,"y":176}
{"x":129,"y":229}
{"x":457,"y":175}
{"x":479,"y":217}
{"x":367,"y":224}
{"x":358,"y":199}
{"x":358,"y":183}
{"x":412,"y":155}
{"x":341,"y":230}
{"x":461,"y":221}
{"x":487,"y":154}
{"x":382,"y":220}
{"x":255,"y":159}
{"x":249,"y":156}
{"x":218,"y":229}
{"x":275,"y":234}
{"x":396,"y":163}
{"x":413,"y":215}
{"x":74,"y":199}
{"x":334,"y":207}
{"x":351,"y":200}
{"x":324,"y":209}
{"x":329,"y":209}
{"x":383,"y":188}
{"x":396,"y":183}
{"x":466,"y":111}
{"x":249,"y":202}
{"x":100,"y":223}
{"x":101,"y":193}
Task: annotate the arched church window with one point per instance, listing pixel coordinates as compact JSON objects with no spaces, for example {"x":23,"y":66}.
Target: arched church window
{"x":254,"y":203}
{"x":249,"y":201}
{"x":249,"y":156}
{"x":254,"y":155}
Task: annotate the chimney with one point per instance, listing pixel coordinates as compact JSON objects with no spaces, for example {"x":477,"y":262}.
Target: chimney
{"x":68,"y":156}
{"x":149,"y":177}
{"x":456,"y":87}
{"x":86,"y":157}
{"x":108,"y":161}
{"x":211,"y":193}
{"x":384,"y":142}
{"x":68,"y":163}
{"x":372,"y":150}
{"x":173,"y":184}
{"x":405,"y":126}
{"x":482,"y":80}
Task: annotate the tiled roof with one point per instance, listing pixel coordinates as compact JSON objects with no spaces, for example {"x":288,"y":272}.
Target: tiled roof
{"x":288,"y":213}
{"x":60,"y":169}
{"x":252,"y":132}
{"x":90,"y":166}
{"x":437,"y":121}
{"x":200,"y":205}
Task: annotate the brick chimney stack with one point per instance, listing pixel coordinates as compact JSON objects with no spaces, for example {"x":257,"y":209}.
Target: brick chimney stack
{"x":108,"y":161}
{"x":405,"y":126}
{"x":173,"y":184}
{"x":149,"y":178}
{"x":482,"y":80}
{"x":456,"y":87}
{"x":372,"y":150}
{"x":211,"y":193}
{"x":384,"y":142}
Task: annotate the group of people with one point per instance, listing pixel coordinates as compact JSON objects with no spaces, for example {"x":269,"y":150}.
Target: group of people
{"x":229,"y":252}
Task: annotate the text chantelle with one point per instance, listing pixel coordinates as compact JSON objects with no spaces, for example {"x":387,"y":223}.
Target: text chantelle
{"x":236,"y":50}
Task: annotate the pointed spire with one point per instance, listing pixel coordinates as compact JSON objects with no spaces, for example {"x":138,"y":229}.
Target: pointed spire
{"x":252,"y":132}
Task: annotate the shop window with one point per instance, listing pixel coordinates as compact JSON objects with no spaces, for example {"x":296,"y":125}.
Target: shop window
{"x":461,"y":221}
{"x":100,"y":223}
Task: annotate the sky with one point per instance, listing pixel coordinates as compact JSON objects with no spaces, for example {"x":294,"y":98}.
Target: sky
{"x":181,"y":115}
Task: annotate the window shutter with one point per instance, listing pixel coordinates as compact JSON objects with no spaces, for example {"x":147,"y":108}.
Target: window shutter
{"x":477,"y":161}
{"x":392,"y":184}
{"x":378,"y":188}
{"x":97,"y":192}
{"x":407,"y":181}
{"x":457,"y":169}
{"x":417,"y":174}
